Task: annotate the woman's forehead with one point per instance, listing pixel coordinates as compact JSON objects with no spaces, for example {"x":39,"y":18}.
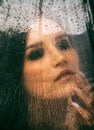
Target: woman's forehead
{"x":35,"y":36}
{"x":44,"y":26}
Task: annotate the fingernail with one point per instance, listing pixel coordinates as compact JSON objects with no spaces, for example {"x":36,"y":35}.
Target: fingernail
{"x":78,"y":90}
{"x":75,"y":104}
{"x":82,"y":74}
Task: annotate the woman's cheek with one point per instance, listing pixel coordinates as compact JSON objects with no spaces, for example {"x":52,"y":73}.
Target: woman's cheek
{"x":34,"y":72}
{"x":35,"y":81}
{"x":73,"y":59}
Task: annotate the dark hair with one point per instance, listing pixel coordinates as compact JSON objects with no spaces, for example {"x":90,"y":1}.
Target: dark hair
{"x":12,"y":47}
{"x":13,"y":101}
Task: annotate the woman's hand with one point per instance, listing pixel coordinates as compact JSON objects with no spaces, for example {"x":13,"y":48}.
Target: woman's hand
{"x":82,"y":98}
{"x":82,"y":104}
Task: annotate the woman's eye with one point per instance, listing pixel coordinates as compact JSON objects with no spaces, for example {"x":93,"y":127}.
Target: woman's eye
{"x":36,"y":54}
{"x":63,"y":45}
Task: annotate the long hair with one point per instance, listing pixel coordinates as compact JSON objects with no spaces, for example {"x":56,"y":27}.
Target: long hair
{"x":12,"y":46}
{"x":13,"y":97}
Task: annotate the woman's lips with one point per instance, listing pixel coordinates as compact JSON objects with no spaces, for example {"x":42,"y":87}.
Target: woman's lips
{"x":64,"y":75}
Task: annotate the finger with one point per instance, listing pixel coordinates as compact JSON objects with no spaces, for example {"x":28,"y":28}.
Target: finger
{"x":81,"y":81}
{"x":83,"y":96}
{"x":85,"y":114}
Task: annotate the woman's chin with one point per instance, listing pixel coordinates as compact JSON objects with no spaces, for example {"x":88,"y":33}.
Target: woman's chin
{"x":59,"y":90}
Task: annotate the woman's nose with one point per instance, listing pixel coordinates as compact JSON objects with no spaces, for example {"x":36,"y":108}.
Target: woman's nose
{"x":59,"y":59}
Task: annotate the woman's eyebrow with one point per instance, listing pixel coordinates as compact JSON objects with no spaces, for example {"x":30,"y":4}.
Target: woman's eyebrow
{"x":60,"y":36}
{"x":37,"y":44}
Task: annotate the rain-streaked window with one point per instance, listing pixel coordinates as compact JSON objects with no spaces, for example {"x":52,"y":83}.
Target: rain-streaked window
{"x":46,"y":64}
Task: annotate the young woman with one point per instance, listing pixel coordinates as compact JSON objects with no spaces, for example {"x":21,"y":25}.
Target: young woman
{"x":42,"y":87}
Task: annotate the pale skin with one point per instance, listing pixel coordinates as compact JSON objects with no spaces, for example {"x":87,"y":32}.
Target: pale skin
{"x":45,"y":58}
{"x":45,"y":69}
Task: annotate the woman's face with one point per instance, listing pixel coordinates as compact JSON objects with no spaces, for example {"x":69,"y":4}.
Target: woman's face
{"x":50,"y":65}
